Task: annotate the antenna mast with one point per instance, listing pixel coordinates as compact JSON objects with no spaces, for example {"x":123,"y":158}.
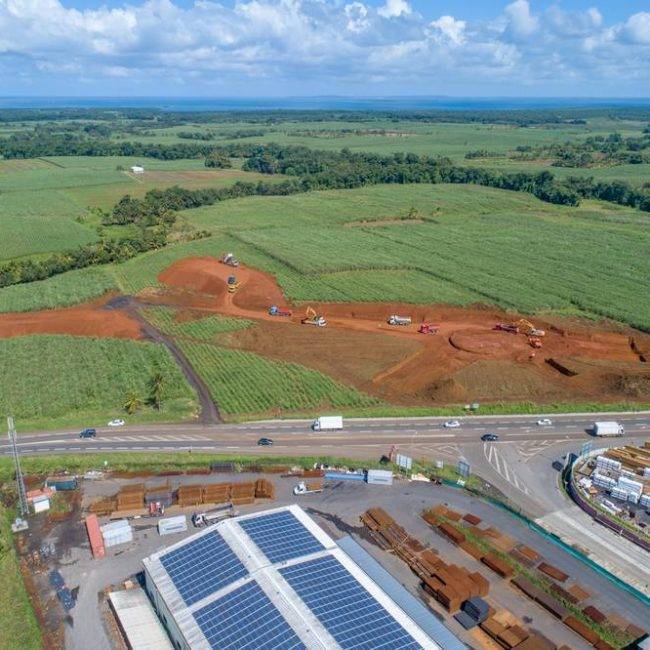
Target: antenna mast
{"x":20,"y":483}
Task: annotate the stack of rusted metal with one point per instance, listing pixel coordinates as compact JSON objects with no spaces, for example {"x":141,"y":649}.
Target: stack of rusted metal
{"x":190,"y":495}
{"x":313,"y":473}
{"x":216,"y":493}
{"x":242,"y":494}
{"x":383,"y":529}
{"x":498,"y":565}
{"x":264,"y":489}
{"x":131,"y":497}
{"x":103,"y":507}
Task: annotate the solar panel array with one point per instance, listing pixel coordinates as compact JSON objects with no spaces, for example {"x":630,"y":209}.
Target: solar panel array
{"x":344,"y":607}
{"x":202,"y":567}
{"x":246,"y":619}
{"x":281,"y":536}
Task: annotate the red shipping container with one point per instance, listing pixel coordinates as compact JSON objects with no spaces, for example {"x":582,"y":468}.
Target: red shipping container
{"x":95,"y":537}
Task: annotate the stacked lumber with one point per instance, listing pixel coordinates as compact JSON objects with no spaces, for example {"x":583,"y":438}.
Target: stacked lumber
{"x":536,"y":642}
{"x":452,"y":585}
{"x":472,"y":549}
{"x":103,"y":507}
{"x":264,"y":489}
{"x":525,"y":555}
{"x":583,"y":630}
{"x":507,"y":636}
{"x":578,"y":592}
{"x":190,"y":495}
{"x":215,"y":493}
{"x":563,"y":593}
{"x":130,"y":497}
{"x":242,"y":494}
{"x":472,"y":519}
{"x":449,"y":531}
{"x":383,"y":529}
{"x":553,"y":572}
{"x":498,"y":565}
{"x":541,"y":597}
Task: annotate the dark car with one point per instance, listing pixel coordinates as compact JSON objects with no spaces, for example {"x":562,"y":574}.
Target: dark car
{"x":88,"y":433}
{"x":489,"y":437}
{"x":265,"y":442}
{"x":557,"y":465}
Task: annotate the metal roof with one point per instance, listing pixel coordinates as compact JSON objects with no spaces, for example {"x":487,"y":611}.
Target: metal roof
{"x":296,"y":589}
{"x":138,"y":620}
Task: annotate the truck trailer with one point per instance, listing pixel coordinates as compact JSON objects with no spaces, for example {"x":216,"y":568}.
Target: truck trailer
{"x":328,"y":423}
{"x":608,"y":429}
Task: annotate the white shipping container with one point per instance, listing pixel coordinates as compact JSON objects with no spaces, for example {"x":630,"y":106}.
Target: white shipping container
{"x":644,"y":500}
{"x":619,"y":493}
{"x":632,"y":497}
{"x":112,"y":527}
{"x":121,"y":536}
{"x":630,"y":485}
{"x":172,"y":525}
{"x":608,"y":463}
{"x":379,"y":477}
{"x":41,"y":504}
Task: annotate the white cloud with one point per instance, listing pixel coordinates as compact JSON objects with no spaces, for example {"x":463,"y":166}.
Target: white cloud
{"x":637,"y":28}
{"x":449,"y":29}
{"x":316,"y":46}
{"x":521,"y":23}
{"x":394,"y":9}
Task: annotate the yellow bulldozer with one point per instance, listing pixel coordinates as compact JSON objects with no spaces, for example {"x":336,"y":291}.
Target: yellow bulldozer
{"x":528,"y":328}
{"x":312,"y":318}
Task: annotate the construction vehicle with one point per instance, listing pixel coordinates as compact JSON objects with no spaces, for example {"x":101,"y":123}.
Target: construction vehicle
{"x":274,"y":310}
{"x":507,"y":327}
{"x":399,"y":320}
{"x":535,"y":342}
{"x":528,"y":328}
{"x":308,"y":488}
{"x":233,"y":285}
{"x":312,"y":318}
{"x":200,"y":519}
{"x":229,"y":259}
{"x":428,"y":328}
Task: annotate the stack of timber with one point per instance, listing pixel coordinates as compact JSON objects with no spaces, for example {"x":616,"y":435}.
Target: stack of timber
{"x":190,"y":495}
{"x":264,"y":489}
{"x":215,"y":493}
{"x":242,"y":494}
{"x":131,"y":497}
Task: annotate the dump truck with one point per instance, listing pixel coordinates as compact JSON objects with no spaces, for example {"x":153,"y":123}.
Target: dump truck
{"x":229,"y":259}
{"x":607,"y":429}
{"x":312,"y":318}
{"x":308,"y":488}
{"x":428,"y":328}
{"x":328,"y":423}
{"x":200,"y":519}
{"x":394,"y":319}
{"x":274,"y":310}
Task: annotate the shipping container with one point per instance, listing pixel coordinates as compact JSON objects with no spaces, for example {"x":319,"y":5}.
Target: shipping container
{"x":116,"y":532}
{"x":172,"y":525}
{"x":95,"y":536}
{"x":379,"y":477}
{"x":345,"y":476}
{"x":62,"y":483}
{"x":41,"y":504}
{"x":608,"y":429}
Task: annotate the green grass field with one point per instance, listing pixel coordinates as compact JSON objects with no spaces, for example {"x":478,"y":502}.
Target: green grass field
{"x":202,"y":329}
{"x":85,"y":381}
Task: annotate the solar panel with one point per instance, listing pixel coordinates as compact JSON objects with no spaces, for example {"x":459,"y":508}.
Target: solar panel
{"x":202,"y":567}
{"x":246,"y":618}
{"x":344,"y":607}
{"x":281,"y":536}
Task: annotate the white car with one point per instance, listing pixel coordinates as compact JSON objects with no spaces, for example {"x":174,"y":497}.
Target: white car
{"x":544,"y":422}
{"x":451,"y":424}
{"x":118,"y":422}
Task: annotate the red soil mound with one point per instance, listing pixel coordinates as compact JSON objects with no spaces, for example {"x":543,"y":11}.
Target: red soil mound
{"x":89,"y":319}
{"x":487,"y":343}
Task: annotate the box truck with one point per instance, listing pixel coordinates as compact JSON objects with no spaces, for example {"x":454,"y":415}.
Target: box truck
{"x":608,"y":429}
{"x":328,"y":423}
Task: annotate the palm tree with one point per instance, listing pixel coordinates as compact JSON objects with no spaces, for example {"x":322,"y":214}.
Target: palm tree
{"x":132,"y":403}
{"x":157,"y":386}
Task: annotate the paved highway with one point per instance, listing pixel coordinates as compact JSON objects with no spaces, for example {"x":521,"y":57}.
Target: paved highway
{"x":361,"y":438}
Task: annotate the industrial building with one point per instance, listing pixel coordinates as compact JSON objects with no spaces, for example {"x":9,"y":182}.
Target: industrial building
{"x":275,"y":579}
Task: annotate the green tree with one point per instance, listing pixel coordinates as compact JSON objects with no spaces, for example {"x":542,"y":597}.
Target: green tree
{"x":132,"y":403}
{"x":157,"y":387}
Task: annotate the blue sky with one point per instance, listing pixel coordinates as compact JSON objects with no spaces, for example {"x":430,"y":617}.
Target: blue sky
{"x":597,"y":48}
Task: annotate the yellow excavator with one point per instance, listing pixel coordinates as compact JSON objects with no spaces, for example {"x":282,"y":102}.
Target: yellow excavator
{"x":528,"y":328}
{"x":312,"y":318}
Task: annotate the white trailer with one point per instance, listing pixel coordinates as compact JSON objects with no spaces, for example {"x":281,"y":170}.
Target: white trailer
{"x":328,"y":423}
{"x":394,"y":319}
{"x":608,"y":429}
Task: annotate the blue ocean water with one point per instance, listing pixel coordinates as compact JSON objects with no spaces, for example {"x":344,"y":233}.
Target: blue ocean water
{"x":329,"y":103}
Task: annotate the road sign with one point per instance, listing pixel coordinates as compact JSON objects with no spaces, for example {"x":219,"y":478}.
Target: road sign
{"x":405,"y":462}
{"x":463,"y":468}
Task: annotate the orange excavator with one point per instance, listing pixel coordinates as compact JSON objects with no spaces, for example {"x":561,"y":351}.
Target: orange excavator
{"x":312,"y":318}
{"x":528,"y":328}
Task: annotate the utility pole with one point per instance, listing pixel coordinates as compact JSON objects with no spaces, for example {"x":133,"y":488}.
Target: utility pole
{"x":20,"y":483}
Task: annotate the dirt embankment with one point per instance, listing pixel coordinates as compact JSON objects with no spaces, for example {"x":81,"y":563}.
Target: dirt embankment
{"x":87,"y":319}
{"x":465,"y":360}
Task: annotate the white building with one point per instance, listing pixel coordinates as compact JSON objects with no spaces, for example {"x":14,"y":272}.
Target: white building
{"x":137,"y":169}
{"x":276,"y":580}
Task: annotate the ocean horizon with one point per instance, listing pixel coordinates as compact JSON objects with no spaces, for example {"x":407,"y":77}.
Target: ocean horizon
{"x":322,"y":103}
